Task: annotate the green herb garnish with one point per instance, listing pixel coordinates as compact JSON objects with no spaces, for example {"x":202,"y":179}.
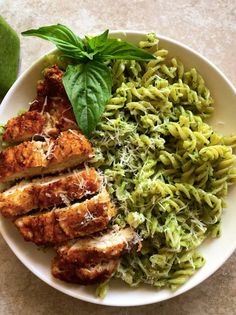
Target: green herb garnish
{"x":88,"y":81}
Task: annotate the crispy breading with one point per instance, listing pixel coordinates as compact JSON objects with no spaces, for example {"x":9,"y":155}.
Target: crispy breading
{"x":58,"y":111}
{"x":52,"y":84}
{"x":61,"y":113}
{"x":52,"y":99}
{"x":24,"y":127}
{"x":49,"y":192}
{"x":106,"y":245}
{"x":72,"y":273}
{"x":32,"y":124}
{"x":49,"y":113}
{"x":18,"y":161}
{"x":63,"y":224}
{"x":57,"y":116}
{"x":31,"y":158}
{"x":50,"y":88}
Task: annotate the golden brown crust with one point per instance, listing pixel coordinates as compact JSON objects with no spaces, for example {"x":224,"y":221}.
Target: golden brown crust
{"x":15,"y":162}
{"x":60,"y":225}
{"x":49,"y":123}
{"x":32,"y":158}
{"x":58,"y":112}
{"x":57,"y":116}
{"x":23,"y":127}
{"x":104,"y":246}
{"x":62,"y":114}
{"x":49,"y":192}
{"x":67,"y":143}
{"x":52,"y":84}
{"x":51,"y":93}
{"x":88,"y":217}
{"x":73,"y":273}
{"x":49,"y":114}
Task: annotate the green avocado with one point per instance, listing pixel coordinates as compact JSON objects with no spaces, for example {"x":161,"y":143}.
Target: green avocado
{"x":9,"y":56}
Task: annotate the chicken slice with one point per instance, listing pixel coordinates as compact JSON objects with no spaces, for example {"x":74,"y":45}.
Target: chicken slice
{"x":52,"y":84}
{"x":50,"y":121}
{"x":49,"y":114}
{"x":107,"y":245}
{"x":91,"y":274}
{"x":24,"y":127}
{"x":51,"y":95}
{"x":32,"y":158}
{"x":34,"y":124}
{"x":49,"y":192}
{"x":63,"y":224}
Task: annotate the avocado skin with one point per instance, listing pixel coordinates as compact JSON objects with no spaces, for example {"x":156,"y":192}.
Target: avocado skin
{"x":9,"y":56}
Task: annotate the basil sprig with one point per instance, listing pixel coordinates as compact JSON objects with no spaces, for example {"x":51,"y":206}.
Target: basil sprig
{"x":88,"y":86}
{"x":88,"y":80}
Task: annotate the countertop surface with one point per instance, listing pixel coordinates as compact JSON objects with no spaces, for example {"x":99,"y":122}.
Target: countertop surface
{"x":205,"y":25}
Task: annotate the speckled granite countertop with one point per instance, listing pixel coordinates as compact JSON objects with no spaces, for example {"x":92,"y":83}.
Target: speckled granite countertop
{"x":205,"y":25}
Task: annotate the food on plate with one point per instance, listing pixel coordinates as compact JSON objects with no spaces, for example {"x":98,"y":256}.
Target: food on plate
{"x":63,"y":224}
{"x":107,"y":245}
{"x":50,"y":86}
{"x":165,"y":170}
{"x":31,"y":158}
{"x":91,"y":274}
{"x":49,"y":114}
{"x":9,"y":56}
{"x":24,"y":127}
{"x":95,"y":258}
{"x":49,"y":191}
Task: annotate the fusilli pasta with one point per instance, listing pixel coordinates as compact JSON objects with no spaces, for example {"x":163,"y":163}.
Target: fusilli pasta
{"x":166,"y":168}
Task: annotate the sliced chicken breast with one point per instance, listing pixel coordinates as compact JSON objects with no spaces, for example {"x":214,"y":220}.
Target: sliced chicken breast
{"x":106,"y":245}
{"x":49,"y":192}
{"x":33,"y":125}
{"x":63,"y":224}
{"x":91,"y":274}
{"x":32,"y":158}
{"x":49,"y":114}
{"x":52,"y":84}
{"x":24,"y":127}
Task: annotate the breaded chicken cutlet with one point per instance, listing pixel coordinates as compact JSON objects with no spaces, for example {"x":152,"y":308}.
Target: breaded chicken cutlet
{"x":52,"y":84}
{"x":91,"y":274}
{"x":59,"y":225}
{"x":32,"y":158}
{"x":104,"y":246}
{"x":24,"y":127}
{"x":49,"y":192}
{"x":49,"y":114}
{"x":34,"y":124}
{"x":95,"y":258}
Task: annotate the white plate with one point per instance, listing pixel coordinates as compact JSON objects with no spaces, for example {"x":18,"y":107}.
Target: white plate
{"x":215,"y":251}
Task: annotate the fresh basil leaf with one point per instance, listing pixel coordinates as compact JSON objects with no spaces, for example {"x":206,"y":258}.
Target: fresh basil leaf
{"x":96,"y":42}
{"x":88,"y":86}
{"x":118,"y":49}
{"x":65,"y":40}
